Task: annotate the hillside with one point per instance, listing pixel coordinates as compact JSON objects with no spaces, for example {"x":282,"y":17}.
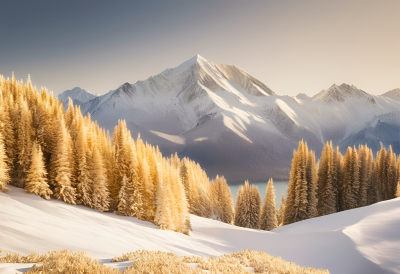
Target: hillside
{"x":345,"y":242}
{"x":233,"y":124}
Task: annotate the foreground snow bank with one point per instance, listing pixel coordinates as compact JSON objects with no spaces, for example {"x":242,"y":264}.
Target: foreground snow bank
{"x":363,"y":240}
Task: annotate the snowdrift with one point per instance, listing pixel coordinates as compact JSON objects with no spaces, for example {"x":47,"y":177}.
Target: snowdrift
{"x":363,"y":240}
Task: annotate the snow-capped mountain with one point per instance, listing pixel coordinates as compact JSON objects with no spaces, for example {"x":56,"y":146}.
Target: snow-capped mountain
{"x":393,"y":94}
{"x":78,"y":96}
{"x":343,"y":92}
{"x":233,"y":124}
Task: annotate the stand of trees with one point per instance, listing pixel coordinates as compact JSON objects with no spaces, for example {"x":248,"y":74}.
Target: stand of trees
{"x":343,"y":182}
{"x":62,"y":154}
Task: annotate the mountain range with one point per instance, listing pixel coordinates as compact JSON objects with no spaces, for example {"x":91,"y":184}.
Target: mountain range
{"x":233,"y":124}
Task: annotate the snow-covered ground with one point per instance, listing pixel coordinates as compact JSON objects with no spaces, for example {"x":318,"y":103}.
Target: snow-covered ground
{"x":363,"y":240}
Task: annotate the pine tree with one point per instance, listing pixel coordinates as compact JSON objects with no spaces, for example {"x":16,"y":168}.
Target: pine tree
{"x":301,"y":200}
{"x":222,"y":199}
{"x":380,"y":173}
{"x":82,"y":182}
{"x":268,"y":218}
{"x":351,"y":183}
{"x":99,"y":191}
{"x":281,"y":210}
{"x":143,"y":176}
{"x":372,"y":192}
{"x":123,"y":146}
{"x":338,"y":178}
{"x":391,"y":179}
{"x":62,"y":166}
{"x":130,"y":202}
{"x":327,"y":187}
{"x":163,"y":216}
{"x":23,"y":121}
{"x":4,"y":171}
{"x":180,"y":206}
{"x":312,"y":185}
{"x":6,"y":130}
{"x":36,"y":181}
{"x":365,"y":163}
{"x":248,"y":206}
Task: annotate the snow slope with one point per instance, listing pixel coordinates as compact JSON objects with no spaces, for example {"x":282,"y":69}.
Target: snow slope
{"x":363,"y":240}
{"x":233,"y":124}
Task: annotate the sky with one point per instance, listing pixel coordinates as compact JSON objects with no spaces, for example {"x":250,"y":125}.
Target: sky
{"x":291,"y":46}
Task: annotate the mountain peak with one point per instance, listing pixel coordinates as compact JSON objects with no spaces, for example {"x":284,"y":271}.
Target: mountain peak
{"x":340,"y":93}
{"x":393,"y":94}
{"x":195,"y":60}
{"x":77,"y":94}
{"x":198,"y":58}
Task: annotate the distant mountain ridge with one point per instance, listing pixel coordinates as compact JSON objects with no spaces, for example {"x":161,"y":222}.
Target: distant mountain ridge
{"x":77,"y":94}
{"x":233,"y":124}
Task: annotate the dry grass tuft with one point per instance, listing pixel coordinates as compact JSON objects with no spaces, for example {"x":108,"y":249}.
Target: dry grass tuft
{"x":66,"y":261}
{"x":17,"y":258}
{"x":260,"y":262}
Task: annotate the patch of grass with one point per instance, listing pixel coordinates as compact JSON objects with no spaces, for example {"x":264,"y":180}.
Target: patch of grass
{"x":66,"y":261}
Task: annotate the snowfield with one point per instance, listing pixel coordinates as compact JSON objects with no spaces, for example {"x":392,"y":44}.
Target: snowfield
{"x":363,"y":240}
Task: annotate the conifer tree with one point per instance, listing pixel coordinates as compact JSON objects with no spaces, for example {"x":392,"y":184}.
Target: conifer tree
{"x":163,"y":216}
{"x":180,"y":206}
{"x":281,"y":210}
{"x":222,"y":199}
{"x":268,"y":218}
{"x":338,"y":178}
{"x":327,"y":187}
{"x":23,"y":130}
{"x":4,"y":171}
{"x":36,"y":181}
{"x":398,"y":189}
{"x":62,"y":166}
{"x":143,"y":176}
{"x":365,"y":163}
{"x":82,"y":182}
{"x":6,"y":130}
{"x":301,"y":202}
{"x":381,"y":173}
{"x":124,"y":157}
{"x":99,"y":191}
{"x":130,"y":202}
{"x":351,"y":183}
{"x":391,"y":179}
{"x":248,"y":206}
{"x":154,"y":177}
{"x":312,"y":185}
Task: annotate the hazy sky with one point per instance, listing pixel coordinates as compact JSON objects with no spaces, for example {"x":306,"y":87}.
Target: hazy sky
{"x":292,"y":46}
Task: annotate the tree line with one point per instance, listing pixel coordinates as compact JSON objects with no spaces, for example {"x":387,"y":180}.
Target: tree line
{"x":62,"y":154}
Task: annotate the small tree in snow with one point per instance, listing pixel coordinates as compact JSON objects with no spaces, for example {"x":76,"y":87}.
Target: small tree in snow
{"x":268,"y":219}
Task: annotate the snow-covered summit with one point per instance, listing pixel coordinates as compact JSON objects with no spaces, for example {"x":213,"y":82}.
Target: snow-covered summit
{"x":340,"y":93}
{"x":77,"y":94}
{"x":303,"y":96}
{"x":393,"y":94}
